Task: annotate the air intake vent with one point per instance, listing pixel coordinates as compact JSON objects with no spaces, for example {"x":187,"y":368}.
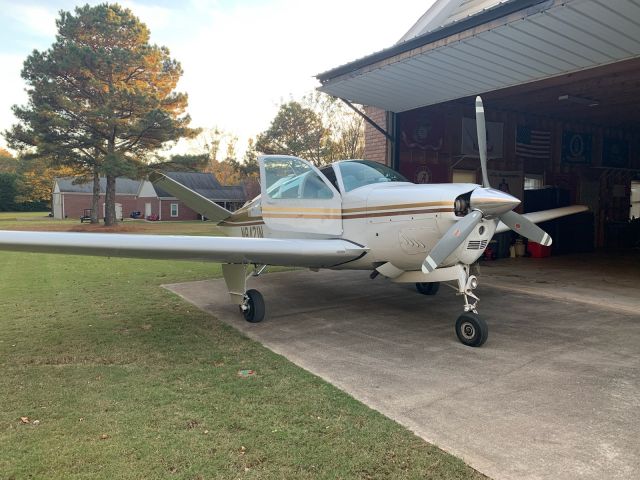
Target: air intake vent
{"x":477,"y":245}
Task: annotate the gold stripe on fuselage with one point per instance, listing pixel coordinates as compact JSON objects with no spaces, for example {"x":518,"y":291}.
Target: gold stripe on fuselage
{"x":257,"y":221}
{"x":269,"y":208}
{"x":372,"y":208}
{"x":302,"y":215}
{"x":348,"y":214}
{"x":396,"y":213}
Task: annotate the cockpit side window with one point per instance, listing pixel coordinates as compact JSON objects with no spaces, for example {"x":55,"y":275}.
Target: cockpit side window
{"x":358,"y":173}
{"x":288,"y":177}
{"x":330,"y":173}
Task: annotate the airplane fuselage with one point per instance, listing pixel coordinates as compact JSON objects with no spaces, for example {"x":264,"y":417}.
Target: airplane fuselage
{"x":399,"y":222}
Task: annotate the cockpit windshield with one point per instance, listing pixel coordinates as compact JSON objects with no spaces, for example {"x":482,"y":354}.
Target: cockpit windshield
{"x":358,"y":173}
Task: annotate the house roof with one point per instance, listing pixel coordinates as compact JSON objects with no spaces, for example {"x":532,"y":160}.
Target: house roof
{"x":203,"y":183}
{"x":206,"y":185}
{"x":494,"y":46}
{"x":124,"y":186}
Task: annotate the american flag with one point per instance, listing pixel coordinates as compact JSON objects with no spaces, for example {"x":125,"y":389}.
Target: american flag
{"x":533,"y":143}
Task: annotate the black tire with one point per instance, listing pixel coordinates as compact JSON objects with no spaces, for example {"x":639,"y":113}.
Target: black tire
{"x":471,"y":329}
{"x":255,"y":303}
{"x":428,"y":288}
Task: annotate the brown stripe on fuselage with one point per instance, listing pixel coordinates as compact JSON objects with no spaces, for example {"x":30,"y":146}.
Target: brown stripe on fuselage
{"x":244,"y":220}
{"x":240,"y":224}
{"x":400,"y":212}
{"x":396,"y":207}
{"x":301,"y":209}
{"x":302,"y":215}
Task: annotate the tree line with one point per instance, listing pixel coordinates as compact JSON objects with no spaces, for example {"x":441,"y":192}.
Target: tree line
{"x":102,"y":103}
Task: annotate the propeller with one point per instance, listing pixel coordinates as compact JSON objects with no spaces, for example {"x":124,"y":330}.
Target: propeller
{"x":482,"y":141}
{"x":525,"y":227}
{"x":457,"y":233}
{"x":484,"y":202}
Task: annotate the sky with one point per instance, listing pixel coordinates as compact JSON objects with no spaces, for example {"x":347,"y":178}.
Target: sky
{"x":241,"y":59}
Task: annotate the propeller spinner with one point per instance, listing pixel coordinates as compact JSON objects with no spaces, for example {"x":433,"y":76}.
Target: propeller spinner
{"x":485,"y":203}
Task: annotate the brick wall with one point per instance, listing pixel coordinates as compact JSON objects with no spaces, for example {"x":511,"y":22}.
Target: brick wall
{"x":375,"y":143}
{"x":184,"y":212}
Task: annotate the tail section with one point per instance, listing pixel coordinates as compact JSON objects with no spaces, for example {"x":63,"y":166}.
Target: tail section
{"x":192,"y":199}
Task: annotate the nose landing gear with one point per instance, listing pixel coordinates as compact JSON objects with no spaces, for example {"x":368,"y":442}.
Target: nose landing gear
{"x":471,"y":328}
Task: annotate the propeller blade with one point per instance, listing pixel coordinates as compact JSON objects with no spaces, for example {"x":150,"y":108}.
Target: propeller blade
{"x":482,"y":140}
{"x":451,"y":240}
{"x":525,"y":227}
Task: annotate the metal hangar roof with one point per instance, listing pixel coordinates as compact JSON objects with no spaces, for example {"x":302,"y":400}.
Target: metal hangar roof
{"x":497,"y":45}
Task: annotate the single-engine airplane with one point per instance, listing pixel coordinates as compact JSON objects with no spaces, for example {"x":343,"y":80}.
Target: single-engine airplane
{"x":352,"y":214}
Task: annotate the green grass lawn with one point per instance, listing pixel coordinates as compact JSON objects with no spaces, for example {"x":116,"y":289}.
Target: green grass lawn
{"x":13,"y":216}
{"x":126,"y":380}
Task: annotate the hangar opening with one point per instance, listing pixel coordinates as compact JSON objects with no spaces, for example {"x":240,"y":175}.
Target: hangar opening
{"x":560,"y":82}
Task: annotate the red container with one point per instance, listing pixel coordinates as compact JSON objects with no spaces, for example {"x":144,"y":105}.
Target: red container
{"x":538,"y":251}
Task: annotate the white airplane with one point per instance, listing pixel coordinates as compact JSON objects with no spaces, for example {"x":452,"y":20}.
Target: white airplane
{"x":351,"y":215}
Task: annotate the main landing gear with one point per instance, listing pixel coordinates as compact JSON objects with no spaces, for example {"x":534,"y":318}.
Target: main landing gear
{"x":250,"y":302}
{"x":252,"y":307}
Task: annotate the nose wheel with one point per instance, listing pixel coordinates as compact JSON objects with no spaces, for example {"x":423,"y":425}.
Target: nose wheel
{"x":471,"y":329}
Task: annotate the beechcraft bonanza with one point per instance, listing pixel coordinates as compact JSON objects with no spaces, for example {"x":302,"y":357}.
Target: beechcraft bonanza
{"x":351,"y":215}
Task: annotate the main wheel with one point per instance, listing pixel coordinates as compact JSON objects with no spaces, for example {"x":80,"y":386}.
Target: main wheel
{"x":471,"y":329}
{"x":430,"y":288}
{"x":254,"y":312}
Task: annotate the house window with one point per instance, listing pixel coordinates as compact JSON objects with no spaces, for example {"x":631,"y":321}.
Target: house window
{"x":174,"y":209}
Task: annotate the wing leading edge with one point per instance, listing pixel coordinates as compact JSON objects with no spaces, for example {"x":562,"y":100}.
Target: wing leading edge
{"x":271,"y":251}
{"x":545,"y":215}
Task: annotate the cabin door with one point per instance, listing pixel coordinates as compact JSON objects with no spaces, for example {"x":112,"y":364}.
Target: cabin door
{"x":296,"y":197}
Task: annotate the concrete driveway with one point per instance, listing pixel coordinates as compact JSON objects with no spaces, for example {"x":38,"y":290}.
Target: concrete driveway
{"x":554,"y":393}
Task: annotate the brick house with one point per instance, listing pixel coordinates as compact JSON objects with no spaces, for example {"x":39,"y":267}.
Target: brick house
{"x":230,"y":197}
{"x":69,"y":199}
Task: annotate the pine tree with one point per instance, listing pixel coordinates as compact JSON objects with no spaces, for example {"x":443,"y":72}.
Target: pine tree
{"x":101,"y":98}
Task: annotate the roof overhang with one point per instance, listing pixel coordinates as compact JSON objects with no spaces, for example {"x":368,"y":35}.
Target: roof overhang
{"x":515,"y":43}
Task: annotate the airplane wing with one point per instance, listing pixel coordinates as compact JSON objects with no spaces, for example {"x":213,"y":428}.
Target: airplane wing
{"x":192,"y":199}
{"x":544,"y":215}
{"x":264,"y":251}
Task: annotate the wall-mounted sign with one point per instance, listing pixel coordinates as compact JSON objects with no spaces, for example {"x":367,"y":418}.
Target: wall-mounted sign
{"x":421,"y":130}
{"x":470,"y":139}
{"x":576,"y":148}
{"x":425,"y":172}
